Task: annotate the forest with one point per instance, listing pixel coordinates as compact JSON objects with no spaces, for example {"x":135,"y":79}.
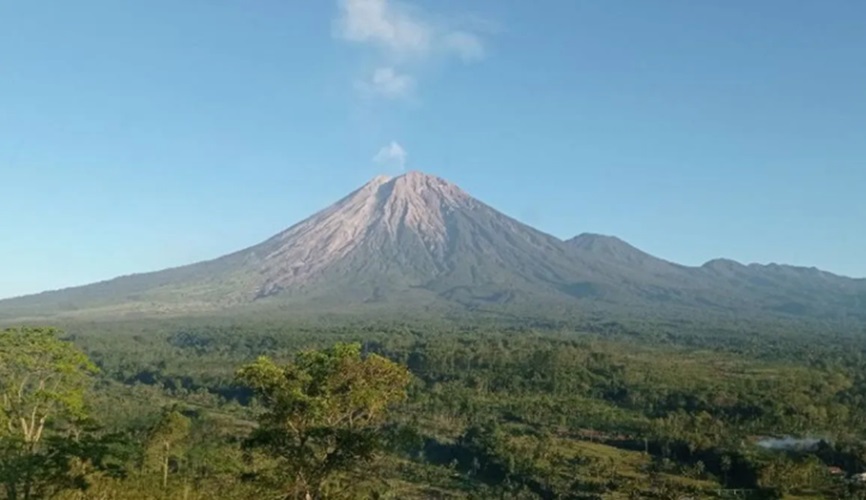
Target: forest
{"x":240,"y":408}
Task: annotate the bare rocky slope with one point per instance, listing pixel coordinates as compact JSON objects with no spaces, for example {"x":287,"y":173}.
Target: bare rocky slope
{"x":419,"y":242}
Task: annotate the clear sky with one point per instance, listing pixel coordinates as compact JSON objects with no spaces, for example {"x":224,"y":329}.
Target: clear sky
{"x":137,"y":135}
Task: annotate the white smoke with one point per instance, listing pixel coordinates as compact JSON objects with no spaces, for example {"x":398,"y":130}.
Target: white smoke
{"x":789,"y":443}
{"x":392,"y":155}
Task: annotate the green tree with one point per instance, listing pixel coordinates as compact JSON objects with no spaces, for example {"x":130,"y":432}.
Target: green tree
{"x":785,"y":475}
{"x":167,"y":442}
{"x":42,"y":385}
{"x":323,"y":414}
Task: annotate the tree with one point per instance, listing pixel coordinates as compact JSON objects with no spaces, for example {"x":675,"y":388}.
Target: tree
{"x":323,"y":414}
{"x":42,"y":385}
{"x":166,"y":443}
{"x":785,"y":475}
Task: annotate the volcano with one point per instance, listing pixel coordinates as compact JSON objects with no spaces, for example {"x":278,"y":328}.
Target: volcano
{"x":417,"y":241}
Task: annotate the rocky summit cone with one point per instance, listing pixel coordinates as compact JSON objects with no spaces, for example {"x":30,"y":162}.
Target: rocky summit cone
{"x":412,"y":209}
{"x":417,"y":231}
{"x":418,"y":241}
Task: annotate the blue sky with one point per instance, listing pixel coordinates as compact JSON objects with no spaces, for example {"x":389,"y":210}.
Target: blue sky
{"x":140,"y":135}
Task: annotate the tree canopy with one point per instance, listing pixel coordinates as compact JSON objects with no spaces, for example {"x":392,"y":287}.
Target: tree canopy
{"x":42,"y":385}
{"x":323,"y":413}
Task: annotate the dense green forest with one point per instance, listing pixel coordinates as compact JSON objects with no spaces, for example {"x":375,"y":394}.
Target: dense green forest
{"x":236,"y":408}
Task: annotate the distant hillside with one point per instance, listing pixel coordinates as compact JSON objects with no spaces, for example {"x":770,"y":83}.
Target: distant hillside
{"x":417,"y":242}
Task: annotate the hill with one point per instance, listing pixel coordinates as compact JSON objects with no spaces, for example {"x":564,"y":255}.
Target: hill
{"x":418,"y":242}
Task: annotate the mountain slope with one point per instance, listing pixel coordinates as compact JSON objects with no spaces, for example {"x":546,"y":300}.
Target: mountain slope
{"x":419,"y":242}
{"x":620,"y":258}
{"x":411,"y":238}
{"x":724,"y":285}
{"x":790,"y":290}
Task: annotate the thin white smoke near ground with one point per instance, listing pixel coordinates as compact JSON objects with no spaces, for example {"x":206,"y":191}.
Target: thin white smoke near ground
{"x":789,"y":443}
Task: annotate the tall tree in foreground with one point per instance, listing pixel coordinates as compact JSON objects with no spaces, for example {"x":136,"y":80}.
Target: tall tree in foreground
{"x":42,"y":384}
{"x":323,"y":415}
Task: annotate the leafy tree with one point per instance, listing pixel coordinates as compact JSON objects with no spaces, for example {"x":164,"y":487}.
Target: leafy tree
{"x":42,"y":384}
{"x":785,"y":475}
{"x":324,"y":413}
{"x":167,"y":442}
